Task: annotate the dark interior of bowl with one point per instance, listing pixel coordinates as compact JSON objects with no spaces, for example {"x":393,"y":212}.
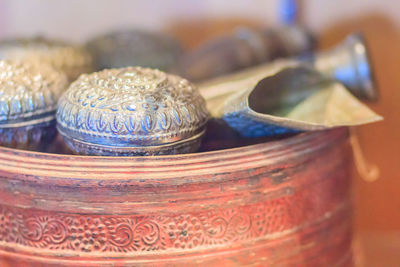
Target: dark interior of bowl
{"x":218,"y":136}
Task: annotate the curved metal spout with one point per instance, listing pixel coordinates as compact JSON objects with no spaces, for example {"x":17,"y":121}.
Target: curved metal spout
{"x":349,"y":63}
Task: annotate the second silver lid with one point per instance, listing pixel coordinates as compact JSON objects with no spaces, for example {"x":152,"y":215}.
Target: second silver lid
{"x":28,"y":92}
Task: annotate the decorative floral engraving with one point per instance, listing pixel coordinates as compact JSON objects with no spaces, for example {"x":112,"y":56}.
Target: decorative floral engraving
{"x":122,"y":236}
{"x":147,"y":232}
{"x":130,"y":233}
{"x":86,"y":233}
{"x":31,"y":230}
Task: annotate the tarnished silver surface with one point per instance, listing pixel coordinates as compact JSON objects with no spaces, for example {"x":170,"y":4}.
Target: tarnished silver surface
{"x":134,"y":48}
{"x":73,"y":60}
{"x":259,"y":111}
{"x":244,"y":48}
{"x":35,"y":137}
{"x":131,"y":111}
{"x":349,"y":62}
{"x":28,"y":101}
{"x":278,"y":87}
{"x":292,"y":100}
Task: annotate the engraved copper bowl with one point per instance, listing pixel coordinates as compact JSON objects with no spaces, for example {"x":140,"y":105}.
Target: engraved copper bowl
{"x":279,"y":203}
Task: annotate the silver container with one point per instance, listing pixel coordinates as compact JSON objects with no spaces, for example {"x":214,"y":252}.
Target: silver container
{"x":244,"y":48}
{"x":28,"y":101}
{"x":73,"y":60}
{"x":134,"y":48}
{"x":131,"y":111}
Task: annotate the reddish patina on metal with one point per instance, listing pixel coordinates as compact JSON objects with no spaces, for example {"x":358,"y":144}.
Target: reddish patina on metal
{"x":282,"y":203}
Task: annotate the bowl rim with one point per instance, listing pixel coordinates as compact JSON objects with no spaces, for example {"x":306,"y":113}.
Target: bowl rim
{"x":210,"y":166}
{"x":301,"y":135}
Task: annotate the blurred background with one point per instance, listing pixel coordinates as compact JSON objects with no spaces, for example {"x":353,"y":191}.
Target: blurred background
{"x":377,"y":203}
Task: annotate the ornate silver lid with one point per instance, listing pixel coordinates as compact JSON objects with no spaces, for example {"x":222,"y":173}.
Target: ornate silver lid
{"x":135,"y":109}
{"x":134,"y":48}
{"x":28,"y":92}
{"x":73,"y":60}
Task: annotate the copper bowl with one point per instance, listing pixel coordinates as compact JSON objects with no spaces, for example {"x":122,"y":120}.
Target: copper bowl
{"x":280,"y":203}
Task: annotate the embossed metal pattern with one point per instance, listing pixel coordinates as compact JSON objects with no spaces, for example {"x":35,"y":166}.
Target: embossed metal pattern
{"x":72,"y":60}
{"x":274,"y":204}
{"x":130,"y":107}
{"x":118,"y":234}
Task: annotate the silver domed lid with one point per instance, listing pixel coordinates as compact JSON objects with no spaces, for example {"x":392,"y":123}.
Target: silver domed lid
{"x":28,"y":92}
{"x":131,"y":107}
{"x":73,"y":60}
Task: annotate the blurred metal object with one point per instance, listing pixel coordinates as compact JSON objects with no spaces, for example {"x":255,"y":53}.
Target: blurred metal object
{"x":260,"y":111}
{"x":131,"y":111}
{"x":71,"y":59}
{"x":292,"y":100}
{"x":349,"y":63}
{"x":134,"y":48}
{"x":288,"y":11}
{"x":28,"y":101}
{"x":245,"y":48}
{"x":268,"y":99}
